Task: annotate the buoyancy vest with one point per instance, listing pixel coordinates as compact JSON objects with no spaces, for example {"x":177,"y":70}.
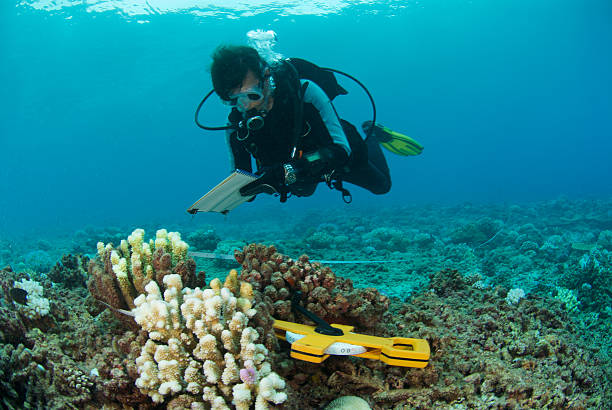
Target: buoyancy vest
{"x":293,"y":123}
{"x":329,"y":84}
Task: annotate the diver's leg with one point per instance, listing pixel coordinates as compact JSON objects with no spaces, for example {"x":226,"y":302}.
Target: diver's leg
{"x":373,"y":174}
{"x":377,"y":159}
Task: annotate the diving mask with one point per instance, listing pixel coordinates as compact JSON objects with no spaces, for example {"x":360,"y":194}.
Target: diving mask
{"x":243,"y":100}
{"x":262,"y":91}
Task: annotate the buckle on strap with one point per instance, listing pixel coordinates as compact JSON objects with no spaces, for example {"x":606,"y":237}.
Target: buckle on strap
{"x":336,"y":183}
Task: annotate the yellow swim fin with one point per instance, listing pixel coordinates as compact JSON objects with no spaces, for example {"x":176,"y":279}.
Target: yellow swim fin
{"x":395,"y":142}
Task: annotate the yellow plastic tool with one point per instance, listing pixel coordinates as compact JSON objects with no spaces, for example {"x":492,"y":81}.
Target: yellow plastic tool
{"x":396,"y":351}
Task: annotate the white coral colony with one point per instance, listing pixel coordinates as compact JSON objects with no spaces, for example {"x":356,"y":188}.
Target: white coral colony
{"x":200,"y":341}
{"x":36,"y":305}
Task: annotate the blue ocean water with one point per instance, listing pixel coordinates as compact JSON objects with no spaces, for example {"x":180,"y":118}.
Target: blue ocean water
{"x":511,"y":99}
{"x":494,"y":245}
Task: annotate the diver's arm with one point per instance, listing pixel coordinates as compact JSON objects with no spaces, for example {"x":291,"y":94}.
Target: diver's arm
{"x":336,"y":153}
{"x":317,"y":97}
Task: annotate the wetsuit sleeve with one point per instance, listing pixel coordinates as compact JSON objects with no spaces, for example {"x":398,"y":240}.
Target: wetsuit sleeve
{"x":317,"y":97}
{"x":239,"y":157}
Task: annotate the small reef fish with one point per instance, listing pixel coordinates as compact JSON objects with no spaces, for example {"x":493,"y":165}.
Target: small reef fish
{"x":123,"y":311}
{"x":19,"y":295}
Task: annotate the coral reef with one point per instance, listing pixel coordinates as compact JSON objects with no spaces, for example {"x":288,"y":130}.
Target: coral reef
{"x":119,"y":275}
{"x":205,"y":239}
{"x":36,"y":305}
{"x":605,"y":240}
{"x":391,"y":239}
{"x":446,"y":281}
{"x":476,"y":233}
{"x":492,"y":345}
{"x":70,"y":271}
{"x":48,"y":362}
{"x":488,"y":353}
{"x":19,"y":315}
{"x":595,"y":270}
{"x":514,"y":296}
{"x":202,"y":342}
{"x":38,"y":260}
{"x":331,"y":298}
{"x":115,"y":371}
{"x":12,"y":328}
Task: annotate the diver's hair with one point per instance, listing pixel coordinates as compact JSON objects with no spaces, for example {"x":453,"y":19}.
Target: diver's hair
{"x":231,"y":64}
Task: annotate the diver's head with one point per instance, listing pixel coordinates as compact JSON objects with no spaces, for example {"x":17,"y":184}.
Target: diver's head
{"x":253,"y":94}
{"x":241,"y":78}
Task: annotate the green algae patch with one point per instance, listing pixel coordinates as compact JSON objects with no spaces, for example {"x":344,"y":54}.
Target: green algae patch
{"x":582,"y":246}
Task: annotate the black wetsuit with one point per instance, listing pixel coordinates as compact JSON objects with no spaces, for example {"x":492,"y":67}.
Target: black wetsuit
{"x":346,"y":154}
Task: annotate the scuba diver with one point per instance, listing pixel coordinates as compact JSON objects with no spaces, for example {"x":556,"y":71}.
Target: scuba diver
{"x":282,"y":116}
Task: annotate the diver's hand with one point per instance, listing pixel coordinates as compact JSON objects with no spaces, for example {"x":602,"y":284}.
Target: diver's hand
{"x":271,"y":181}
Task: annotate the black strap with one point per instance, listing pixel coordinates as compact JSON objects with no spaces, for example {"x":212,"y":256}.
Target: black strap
{"x":298,"y":112}
{"x":323,"y":327}
{"x":336,"y":183}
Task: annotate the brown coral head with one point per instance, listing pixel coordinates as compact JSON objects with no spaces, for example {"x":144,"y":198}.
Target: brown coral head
{"x":290,"y":280}
{"x":329,"y":282}
{"x":187,"y":269}
{"x":239,"y":256}
{"x":267,"y":268}
{"x":277,"y":258}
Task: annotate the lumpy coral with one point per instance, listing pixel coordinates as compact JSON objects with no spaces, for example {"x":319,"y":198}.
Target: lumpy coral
{"x":70,"y":271}
{"x":36,"y":305}
{"x":514,"y":296}
{"x":204,"y":239}
{"x":446,"y":281}
{"x":333,"y":299}
{"x":477,"y":232}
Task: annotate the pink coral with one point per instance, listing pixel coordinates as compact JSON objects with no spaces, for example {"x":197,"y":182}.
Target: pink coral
{"x":248,"y":375}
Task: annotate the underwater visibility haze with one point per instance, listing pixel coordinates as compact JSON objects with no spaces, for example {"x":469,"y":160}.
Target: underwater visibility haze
{"x":493,"y":246}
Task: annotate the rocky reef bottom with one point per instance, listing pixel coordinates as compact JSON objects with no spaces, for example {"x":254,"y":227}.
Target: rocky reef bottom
{"x":485,"y":353}
{"x":516,"y":314}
